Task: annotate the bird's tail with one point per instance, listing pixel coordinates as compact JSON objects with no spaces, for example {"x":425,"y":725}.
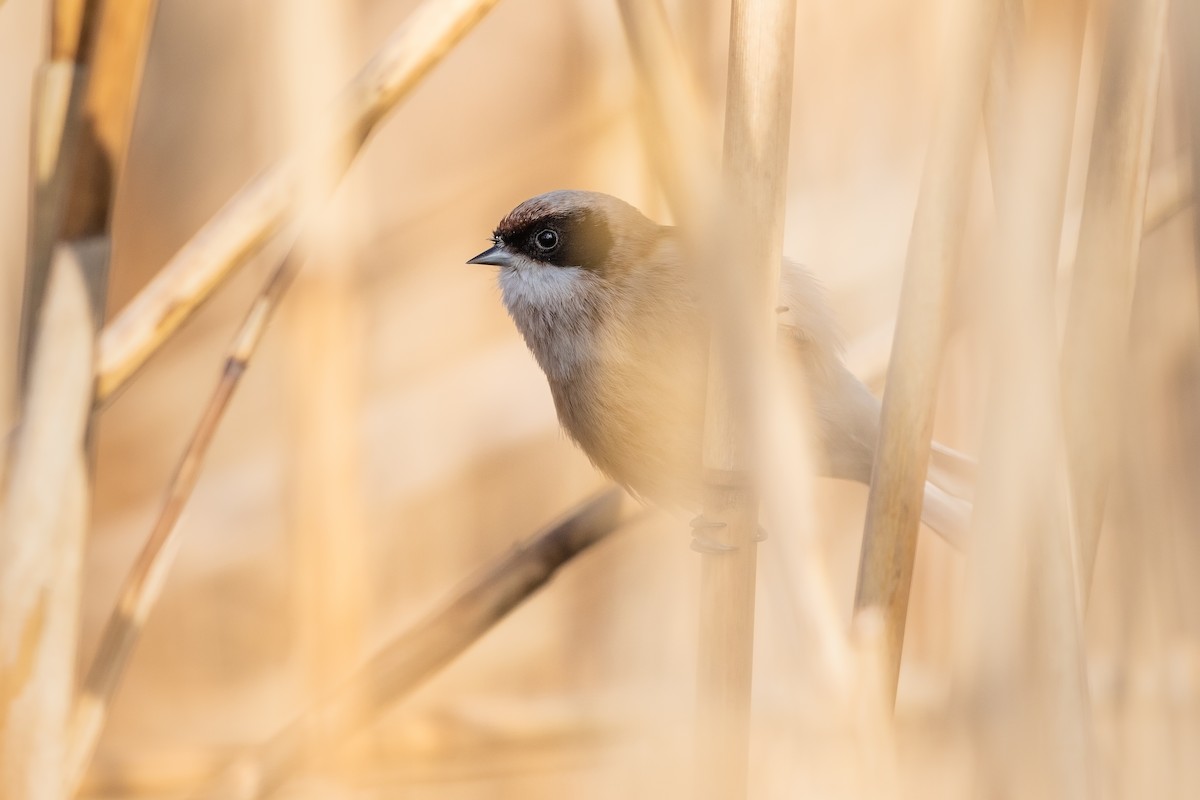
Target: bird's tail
{"x":949,"y":492}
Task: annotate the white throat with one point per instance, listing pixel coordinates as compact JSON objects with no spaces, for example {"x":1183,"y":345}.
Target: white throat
{"x":551,"y":307}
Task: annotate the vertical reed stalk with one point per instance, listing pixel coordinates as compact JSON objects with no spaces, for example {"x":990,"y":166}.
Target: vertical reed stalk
{"x":70,"y":280}
{"x":902,"y":455}
{"x":757,"y":125}
{"x":109,"y":100}
{"x":327,"y":534}
{"x":58,"y":129}
{"x":42,"y":526}
{"x":86,"y":97}
{"x":1110,"y":236}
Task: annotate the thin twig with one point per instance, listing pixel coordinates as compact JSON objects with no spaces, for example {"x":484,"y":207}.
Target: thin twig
{"x":906,"y":425}
{"x":1110,"y":237}
{"x":418,"y":653}
{"x":259,"y":210}
{"x":144,"y":583}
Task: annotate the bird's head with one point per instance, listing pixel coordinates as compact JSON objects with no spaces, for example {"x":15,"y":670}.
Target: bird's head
{"x":573,"y":231}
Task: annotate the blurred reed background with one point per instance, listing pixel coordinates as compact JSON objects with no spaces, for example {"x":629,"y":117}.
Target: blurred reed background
{"x":393,"y":435}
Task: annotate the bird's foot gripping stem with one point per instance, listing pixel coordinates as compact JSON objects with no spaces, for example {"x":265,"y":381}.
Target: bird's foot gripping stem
{"x":702,"y":542}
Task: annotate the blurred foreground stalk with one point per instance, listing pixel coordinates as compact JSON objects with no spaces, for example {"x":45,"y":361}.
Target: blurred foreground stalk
{"x":741,"y":289}
{"x":326,"y":521}
{"x":1095,"y":342}
{"x":757,"y":126}
{"x":1027,"y":699}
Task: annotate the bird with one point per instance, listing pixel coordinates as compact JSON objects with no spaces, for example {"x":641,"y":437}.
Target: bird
{"x":607,"y":303}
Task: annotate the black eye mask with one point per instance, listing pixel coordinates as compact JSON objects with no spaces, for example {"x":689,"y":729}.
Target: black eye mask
{"x":575,"y":239}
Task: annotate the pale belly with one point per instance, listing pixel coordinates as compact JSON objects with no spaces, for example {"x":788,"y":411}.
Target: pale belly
{"x":643,"y":428}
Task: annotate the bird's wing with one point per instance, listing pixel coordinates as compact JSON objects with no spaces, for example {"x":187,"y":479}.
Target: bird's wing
{"x":803,"y":310}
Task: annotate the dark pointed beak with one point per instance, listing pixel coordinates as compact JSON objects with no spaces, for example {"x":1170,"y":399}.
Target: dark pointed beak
{"x":496,"y":256}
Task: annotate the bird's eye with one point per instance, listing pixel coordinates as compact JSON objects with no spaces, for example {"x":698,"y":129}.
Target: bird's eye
{"x":546,"y":239}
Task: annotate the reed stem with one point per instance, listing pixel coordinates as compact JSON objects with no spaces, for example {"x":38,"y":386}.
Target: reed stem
{"x":906,"y":426}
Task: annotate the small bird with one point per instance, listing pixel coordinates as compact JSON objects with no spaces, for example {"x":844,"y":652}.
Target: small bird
{"x":605,"y":300}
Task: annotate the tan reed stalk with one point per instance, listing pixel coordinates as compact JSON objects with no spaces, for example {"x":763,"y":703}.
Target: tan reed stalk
{"x":86,"y":96}
{"x":902,"y":456}
{"x":872,"y":708}
{"x":1110,"y":237}
{"x":680,"y":146}
{"x":64,"y":125}
{"x":758,"y":115}
{"x":258,"y":211}
{"x":420,"y":652}
{"x":58,"y":129}
{"x":1026,"y":683}
{"x":757,"y":124}
{"x":42,"y":526}
{"x":70,"y":23}
{"x":144,"y":583}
